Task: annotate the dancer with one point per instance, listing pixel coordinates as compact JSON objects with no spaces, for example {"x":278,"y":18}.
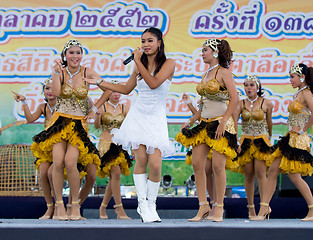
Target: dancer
{"x":216,"y":129}
{"x":255,"y":146}
{"x":145,"y":126}
{"x":114,"y":160}
{"x":42,"y":165}
{"x":292,"y":155}
{"x":66,"y":137}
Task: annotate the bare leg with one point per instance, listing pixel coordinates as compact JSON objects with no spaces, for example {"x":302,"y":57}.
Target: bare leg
{"x":249,"y":187}
{"x":115,"y":180}
{"x":219,"y":161}
{"x":155,"y":166}
{"x":50,"y":171}
{"x":71,"y":158}
{"x":141,"y":160}
{"x":106,"y":199}
{"x":199,"y":159}
{"x":304,"y":189}
{"x":210,"y":187}
{"x":260,"y":172}
{"x":269,"y":190}
{"x":43,"y":170}
{"x":90,"y":180}
{"x":58,"y":152}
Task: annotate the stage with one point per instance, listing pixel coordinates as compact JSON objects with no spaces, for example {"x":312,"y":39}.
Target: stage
{"x":284,"y":223}
{"x":169,"y":229}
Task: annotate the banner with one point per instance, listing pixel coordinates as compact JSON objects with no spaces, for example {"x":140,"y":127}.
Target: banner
{"x":266,"y":37}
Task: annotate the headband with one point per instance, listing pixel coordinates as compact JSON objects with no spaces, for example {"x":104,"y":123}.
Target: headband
{"x":212,"y":42}
{"x":71,"y":43}
{"x":296,"y":69}
{"x":47,"y":81}
{"x":253,"y":78}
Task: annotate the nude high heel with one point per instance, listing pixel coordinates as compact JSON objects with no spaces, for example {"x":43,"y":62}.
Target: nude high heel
{"x":250,"y":206}
{"x":209,"y":217}
{"x":200,"y":218}
{"x":123,"y":217}
{"x":218,"y":219}
{"x":308,"y":219}
{"x":266,"y":214}
{"x":103,"y":216}
{"x":46,"y":216}
{"x":61,"y":218}
{"x":76,"y":218}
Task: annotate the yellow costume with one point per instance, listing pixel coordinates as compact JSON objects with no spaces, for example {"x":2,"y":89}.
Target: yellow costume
{"x":112,"y":154}
{"x":213,"y":106}
{"x":254,"y":141}
{"x":69,"y":127}
{"x":295,"y":148}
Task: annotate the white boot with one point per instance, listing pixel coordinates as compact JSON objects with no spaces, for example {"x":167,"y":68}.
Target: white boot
{"x":152,"y":193}
{"x":140,"y":181}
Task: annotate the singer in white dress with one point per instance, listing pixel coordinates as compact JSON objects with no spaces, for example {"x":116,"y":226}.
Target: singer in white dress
{"x":145,"y":126}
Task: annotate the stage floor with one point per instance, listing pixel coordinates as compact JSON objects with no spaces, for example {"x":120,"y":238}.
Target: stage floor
{"x":169,"y":229}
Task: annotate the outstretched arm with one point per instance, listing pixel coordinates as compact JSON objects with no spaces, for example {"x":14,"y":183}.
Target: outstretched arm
{"x":30,"y":117}
{"x":124,"y":89}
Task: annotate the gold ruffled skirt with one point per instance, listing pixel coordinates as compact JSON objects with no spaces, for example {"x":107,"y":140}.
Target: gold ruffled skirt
{"x":295,"y":153}
{"x":112,"y":155}
{"x":72,"y":129}
{"x":258,"y":147}
{"x":204,"y":133}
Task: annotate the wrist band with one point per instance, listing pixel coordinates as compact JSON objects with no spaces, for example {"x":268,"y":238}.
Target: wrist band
{"x":24,"y":102}
{"x":94,"y":109}
{"x":99,"y":81}
{"x":301,"y":132}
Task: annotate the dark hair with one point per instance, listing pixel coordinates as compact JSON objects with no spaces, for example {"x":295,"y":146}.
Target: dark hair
{"x":160,"y":57}
{"x":260,"y":92}
{"x":68,"y":45}
{"x":308,"y":72}
{"x":225,"y":54}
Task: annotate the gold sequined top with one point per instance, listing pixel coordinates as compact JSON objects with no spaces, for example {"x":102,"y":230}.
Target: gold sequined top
{"x":72,"y":99}
{"x":212,"y":89}
{"x":253,"y":122}
{"x":298,"y":114}
{"x":110,"y":121}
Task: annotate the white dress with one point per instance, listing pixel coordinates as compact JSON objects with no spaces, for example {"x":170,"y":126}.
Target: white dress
{"x":146,"y":121}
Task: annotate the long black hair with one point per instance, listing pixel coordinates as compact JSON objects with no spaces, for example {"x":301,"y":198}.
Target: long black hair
{"x":308,"y":72}
{"x":160,"y":57}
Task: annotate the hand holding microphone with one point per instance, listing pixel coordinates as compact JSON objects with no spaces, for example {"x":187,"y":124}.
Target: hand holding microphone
{"x":131,"y":57}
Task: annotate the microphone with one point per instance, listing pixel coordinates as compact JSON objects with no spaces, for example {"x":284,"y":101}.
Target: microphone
{"x":129,"y":59}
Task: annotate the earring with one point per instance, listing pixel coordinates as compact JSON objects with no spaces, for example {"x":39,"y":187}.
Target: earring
{"x":159,"y":48}
{"x":215,"y":55}
{"x":301,"y":79}
{"x":64,"y":59}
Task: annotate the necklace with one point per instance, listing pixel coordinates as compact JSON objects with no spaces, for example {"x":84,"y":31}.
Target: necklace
{"x":301,"y":89}
{"x":212,"y":67}
{"x":51,"y":109}
{"x":72,"y":75}
{"x":113,"y":105}
{"x":252,"y":101}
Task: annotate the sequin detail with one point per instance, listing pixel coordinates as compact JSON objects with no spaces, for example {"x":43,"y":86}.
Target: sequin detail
{"x":110,"y":121}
